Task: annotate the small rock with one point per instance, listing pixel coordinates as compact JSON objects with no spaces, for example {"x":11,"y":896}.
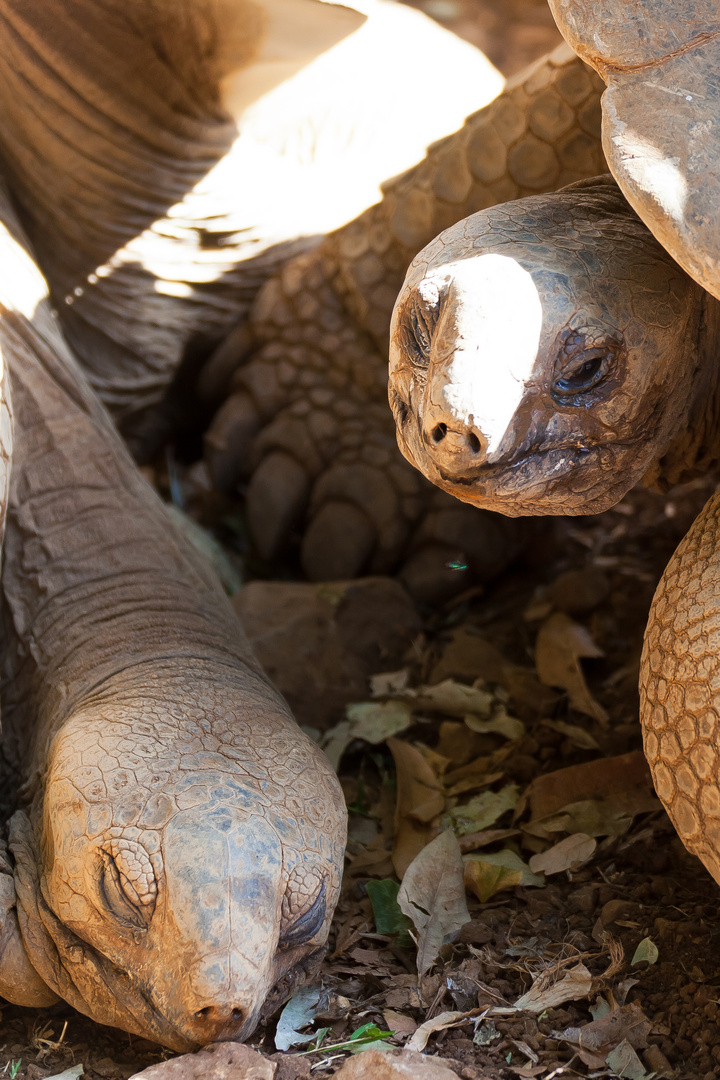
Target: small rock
{"x":291,"y":1067}
{"x":394,"y":1065}
{"x":219,"y":1061}
{"x":319,"y":643}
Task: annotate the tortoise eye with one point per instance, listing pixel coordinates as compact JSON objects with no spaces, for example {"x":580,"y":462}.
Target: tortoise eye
{"x":576,"y":375}
{"x":127,"y":883}
{"x":417,"y":327}
{"x":304,"y":907}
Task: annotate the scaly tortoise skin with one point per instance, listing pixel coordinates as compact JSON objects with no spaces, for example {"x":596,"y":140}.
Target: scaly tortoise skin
{"x":156,"y":225}
{"x":176,"y":858}
{"x":610,"y":374}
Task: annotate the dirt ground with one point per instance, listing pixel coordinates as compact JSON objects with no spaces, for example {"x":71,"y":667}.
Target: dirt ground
{"x":520,"y":715}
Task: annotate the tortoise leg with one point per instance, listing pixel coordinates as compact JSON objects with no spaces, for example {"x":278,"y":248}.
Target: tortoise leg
{"x":679,"y":684}
{"x":305,"y":421}
{"x":308,"y":429}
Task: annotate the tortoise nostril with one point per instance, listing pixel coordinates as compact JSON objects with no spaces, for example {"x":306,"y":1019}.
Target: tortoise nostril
{"x":439,"y":433}
{"x":220,"y":1014}
{"x":474,"y":443}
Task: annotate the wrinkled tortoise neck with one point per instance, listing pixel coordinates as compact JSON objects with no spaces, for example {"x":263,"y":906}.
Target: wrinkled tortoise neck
{"x":107,"y":584}
{"x":696,"y":447}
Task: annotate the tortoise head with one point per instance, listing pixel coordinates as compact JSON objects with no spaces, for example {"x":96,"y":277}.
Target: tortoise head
{"x":189,"y":865}
{"x":543,"y":354}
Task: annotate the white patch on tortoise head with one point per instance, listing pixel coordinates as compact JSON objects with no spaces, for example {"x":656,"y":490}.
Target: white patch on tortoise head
{"x":493,"y":320}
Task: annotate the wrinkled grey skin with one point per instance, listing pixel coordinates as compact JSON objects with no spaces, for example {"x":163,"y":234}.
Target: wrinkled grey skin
{"x":547,"y":354}
{"x":177,"y":853}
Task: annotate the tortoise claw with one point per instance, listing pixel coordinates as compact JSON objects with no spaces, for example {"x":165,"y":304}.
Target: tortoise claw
{"x":276,"y":498}
{"x":338,"y":543}
{"x":229,"y":441}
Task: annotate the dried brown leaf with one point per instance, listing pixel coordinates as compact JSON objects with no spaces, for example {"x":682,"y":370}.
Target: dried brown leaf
{"x":627,"y":774}
{"x":454,"y":699}
{"x":599,"y":1038}
{"x":575,"y":985}
{"x":438,"y":1023}
{"x":419,"y":803}
{"x":561,"y":642}
{"x":432,"y":894}
{"x":569,"y":854}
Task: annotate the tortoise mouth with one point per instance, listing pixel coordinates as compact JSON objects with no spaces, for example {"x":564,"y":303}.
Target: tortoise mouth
{"x":546,"y":465}
{"x":566,"y":479}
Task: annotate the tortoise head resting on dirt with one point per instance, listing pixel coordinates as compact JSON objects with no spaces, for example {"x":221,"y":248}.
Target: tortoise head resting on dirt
{"x":545,"y":355}
{"x":176,"y":859}
{"x":179,"y":868}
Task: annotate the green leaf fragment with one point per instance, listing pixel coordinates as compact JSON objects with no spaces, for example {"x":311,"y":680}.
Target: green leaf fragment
{"x":485,"y":1033}
{"x":625,"y":1063}
{"x":483,"y":810}
{"x":389,"y":919}
{"x":489,"y":873}
{"x":646,"y":951}
{"x":600,"y":1008}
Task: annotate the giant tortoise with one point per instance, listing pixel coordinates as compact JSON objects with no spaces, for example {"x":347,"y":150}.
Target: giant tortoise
{"x":176,"y":857}
{"x":167,"y":158}
{"x":549,"y":353}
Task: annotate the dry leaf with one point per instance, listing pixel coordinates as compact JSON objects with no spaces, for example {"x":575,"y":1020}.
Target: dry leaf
{"x":389,"y":682}
{"x":438,"y":1023}
{"x":600,"y":1037}
{"x":299,"y":1012}
{"x":469,"y":656}
{"x":374,"y":860}
{"x":560,"y":644}
{"x":570,"y":854}
{"x":399,"y":1023}
{"x":376,"y":721}
{"x":596,"y":817}
{"x":474,"y":773}
{"x":473,"y":841}
{"x":419,"y":803}
{"x":487,"y":874}
{"x":623,"y":1061}
{"x":500,"y":723}
{"x":600,"y":779}
{"x":575,"y":985}
{"x":483,"y":810}
{"x":373,"y":721}
{"x":577,"y":735}
{"x":454,"y":698}
{"x":432,"y":894}
{"x":484,"y":879}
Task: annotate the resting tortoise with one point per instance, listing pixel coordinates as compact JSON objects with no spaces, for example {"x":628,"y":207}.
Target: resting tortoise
{"x":176,"y":859}
{"x":168,"y":157}
{"x":549,"y":353}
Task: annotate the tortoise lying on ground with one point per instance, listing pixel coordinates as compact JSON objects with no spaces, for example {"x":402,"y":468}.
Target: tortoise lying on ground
{"x":547,"y":354}
{"x":176,"y":859}
{"x":156,"y":217}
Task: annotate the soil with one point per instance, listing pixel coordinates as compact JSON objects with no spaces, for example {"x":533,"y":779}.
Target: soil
{"x":598,"y":574}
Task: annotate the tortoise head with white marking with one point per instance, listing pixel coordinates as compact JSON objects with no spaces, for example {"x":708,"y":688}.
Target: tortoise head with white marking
{"x":543,"y":354}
